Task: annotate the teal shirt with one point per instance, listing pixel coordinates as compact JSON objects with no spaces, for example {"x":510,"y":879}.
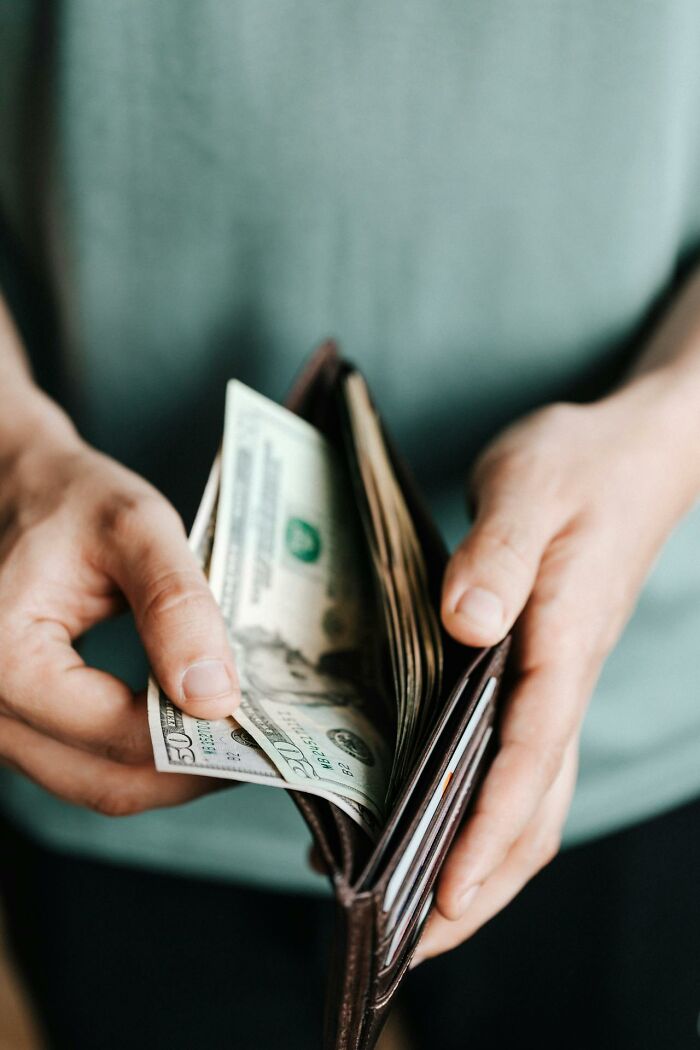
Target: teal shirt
{"x":484,"y":200}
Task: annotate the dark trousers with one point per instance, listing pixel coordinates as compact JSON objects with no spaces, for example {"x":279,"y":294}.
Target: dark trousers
{"x":602,"y":950}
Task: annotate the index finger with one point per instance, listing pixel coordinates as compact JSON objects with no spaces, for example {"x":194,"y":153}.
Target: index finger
{"x":542,"y":715}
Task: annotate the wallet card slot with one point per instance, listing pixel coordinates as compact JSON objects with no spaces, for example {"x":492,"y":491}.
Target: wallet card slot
{"x":401,"y":930}
{"x":395,"y":827}
{"x":426,"y":779}
{"x":412,"y":848}
{"x":390,"y":975}
{"x":430,"y":848}
{"x":407,"y":931}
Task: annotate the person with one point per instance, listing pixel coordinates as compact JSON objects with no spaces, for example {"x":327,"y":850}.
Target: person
{"x":495,"y":207}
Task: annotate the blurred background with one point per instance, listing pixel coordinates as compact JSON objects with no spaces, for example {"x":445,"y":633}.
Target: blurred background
{"x":19,"y":1031}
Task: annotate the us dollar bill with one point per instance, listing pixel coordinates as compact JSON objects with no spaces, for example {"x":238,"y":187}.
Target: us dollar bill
{"x":219,"y":748}
{"x":290,"y":573}
{"x":222,"y":749}
{"x":298,"y":613}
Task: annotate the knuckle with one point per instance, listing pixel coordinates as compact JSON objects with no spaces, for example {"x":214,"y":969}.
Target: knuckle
{"x":556,"y":627}
{"x":526,"y":456}
{"x":115,"y":802}
{"x":119,"y":515}
{"x":561,"y":416}
{"x":509,"y":459}
{"x":543,"y":850}
{"x":563,"y":636}
{"x":567,"y":641}
{"x":124,"y":752}
{"x":550,"y":849}
{"x":491,"y":467}
{"x":507,"y":545}
{"x":124,"y":513}
{"x":550,"y":760}
{"x":543,"y":759}
{"x":180,"y":595}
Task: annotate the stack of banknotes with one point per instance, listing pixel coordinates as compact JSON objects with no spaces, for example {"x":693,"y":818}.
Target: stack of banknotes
{"x":315,"y":563}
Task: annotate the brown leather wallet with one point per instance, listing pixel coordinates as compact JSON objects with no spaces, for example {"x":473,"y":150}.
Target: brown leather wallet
{"x":384,"y":889}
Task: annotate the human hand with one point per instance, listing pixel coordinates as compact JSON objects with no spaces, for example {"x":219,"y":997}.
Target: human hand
{"x":78,"y":535}
{"x":572,"y":506}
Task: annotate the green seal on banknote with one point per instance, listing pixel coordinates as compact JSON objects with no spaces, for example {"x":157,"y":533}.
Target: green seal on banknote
{"x":303,"y":540}
{"x":351,"y":744}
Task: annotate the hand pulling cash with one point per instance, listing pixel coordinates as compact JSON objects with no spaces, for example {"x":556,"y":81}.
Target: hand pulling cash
{"x":308,"y":584}
{"x":327,"y":569}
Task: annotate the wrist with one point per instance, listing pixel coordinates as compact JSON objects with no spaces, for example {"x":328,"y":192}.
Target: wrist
{"x":662,"y":418}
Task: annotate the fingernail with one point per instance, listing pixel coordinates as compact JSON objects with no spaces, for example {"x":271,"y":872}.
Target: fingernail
{"x":482,"y":608}
{"x":465,"y":901}
{"x":206,"y":680}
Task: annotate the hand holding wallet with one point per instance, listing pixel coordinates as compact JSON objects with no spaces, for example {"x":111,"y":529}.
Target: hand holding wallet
{"x":382,"y":737}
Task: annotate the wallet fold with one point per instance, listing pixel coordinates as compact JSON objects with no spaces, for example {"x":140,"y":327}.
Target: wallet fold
{"x":384,"y":889}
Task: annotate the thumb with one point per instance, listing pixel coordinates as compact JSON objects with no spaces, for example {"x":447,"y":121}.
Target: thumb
{"x":179,"y":622}
{"x":490,"y":576}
